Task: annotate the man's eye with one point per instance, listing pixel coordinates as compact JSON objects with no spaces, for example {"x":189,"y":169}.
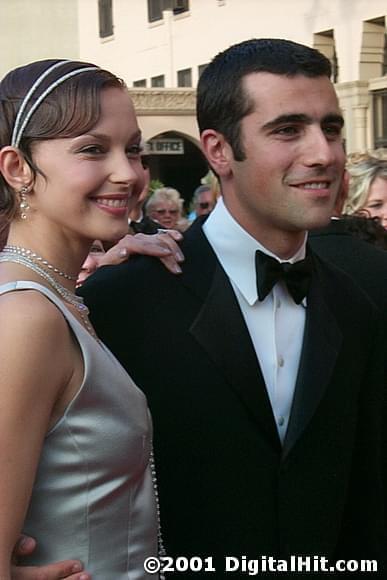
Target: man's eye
{"x":287,"y":131}
{"x":332,"y":130}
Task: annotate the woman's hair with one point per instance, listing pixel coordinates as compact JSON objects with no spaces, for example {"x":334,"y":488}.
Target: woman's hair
{"x":165,"y":194}
{"x":71,"y":108}
{"x":363,"y":169}
{"x":367,"y":229}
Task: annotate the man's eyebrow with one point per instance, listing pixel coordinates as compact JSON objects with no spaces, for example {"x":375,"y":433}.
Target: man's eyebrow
{"x":334,"y":118}
{"x":289,"y":118}
{"x":304,"y":119}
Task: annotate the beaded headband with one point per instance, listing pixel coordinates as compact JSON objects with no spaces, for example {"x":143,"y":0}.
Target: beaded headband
{"x":18,"y":129}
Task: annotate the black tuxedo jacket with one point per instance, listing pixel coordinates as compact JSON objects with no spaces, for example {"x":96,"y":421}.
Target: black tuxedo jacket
{"x":145,"y":226}
{"x":227,"y":486}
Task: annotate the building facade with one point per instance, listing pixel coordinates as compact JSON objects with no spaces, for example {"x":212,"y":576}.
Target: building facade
{"x":160,"y":47}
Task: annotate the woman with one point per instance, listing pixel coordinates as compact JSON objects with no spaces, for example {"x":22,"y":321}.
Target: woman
{"x":165,"y":206}
{"x":368,"y":186}
{"x":75,"y":432}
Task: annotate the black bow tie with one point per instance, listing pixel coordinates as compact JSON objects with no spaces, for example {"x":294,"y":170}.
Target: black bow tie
{"x":296,"y":276}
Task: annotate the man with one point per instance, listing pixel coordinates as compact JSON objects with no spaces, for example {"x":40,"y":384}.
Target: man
{"x":204,"y":200}
{"x":265,"y":395}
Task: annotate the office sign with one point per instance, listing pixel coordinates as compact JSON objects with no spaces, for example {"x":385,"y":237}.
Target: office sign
{"x":165,"y":147}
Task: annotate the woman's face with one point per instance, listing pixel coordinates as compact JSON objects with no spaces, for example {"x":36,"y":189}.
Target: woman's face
{"x":93,"y":180}
{"x":166,"y":213}
{"x":91,"y":263}
{"x":376,"y":205}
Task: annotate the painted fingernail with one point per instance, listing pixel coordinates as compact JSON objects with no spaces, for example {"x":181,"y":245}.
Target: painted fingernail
{"x":77,"y":568}
{"x":177,"y":269}
{"x":25,"y":543}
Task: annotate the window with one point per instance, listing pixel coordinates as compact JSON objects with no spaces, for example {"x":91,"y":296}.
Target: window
{"x":325,"y":43}
{"x":373,"y":49}
{"x":385,"y":55}
{"x":140,"y":83}
{"x":156,"y":7}
{"x":155,"y":10}
{"x":201,"y":69}
{"x":380,"y":117}
{"x":158,"y":81}
{"x":105,"y":13}
{"x":184,"y":78}
{"x":180,"y":6}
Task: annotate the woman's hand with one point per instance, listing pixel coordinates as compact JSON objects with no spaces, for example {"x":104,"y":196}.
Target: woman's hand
{"x":70,"y":569}
{"x":161,"y":245}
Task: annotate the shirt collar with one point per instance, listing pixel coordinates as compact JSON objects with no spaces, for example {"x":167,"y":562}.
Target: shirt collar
{"x":235,"y":250}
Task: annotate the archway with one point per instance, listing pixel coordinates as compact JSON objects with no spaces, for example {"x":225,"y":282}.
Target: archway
{"x":176,"y":160}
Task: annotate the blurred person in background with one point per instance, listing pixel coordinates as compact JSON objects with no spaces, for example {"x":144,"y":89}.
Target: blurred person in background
{"x":91,"y":263}
{"x":204,"y":200}
{"x":138,"y":221}
{"x":166,"y":207}
{"x":368,"y":186}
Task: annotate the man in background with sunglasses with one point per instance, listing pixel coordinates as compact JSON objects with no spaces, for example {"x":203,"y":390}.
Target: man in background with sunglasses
{"x":204,"y":200}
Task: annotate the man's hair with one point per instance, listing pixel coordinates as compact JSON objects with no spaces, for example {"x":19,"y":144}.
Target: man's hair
{"x":221,"y":100}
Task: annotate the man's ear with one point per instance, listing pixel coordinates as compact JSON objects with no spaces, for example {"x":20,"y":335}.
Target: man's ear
{"x":15,"y":168}
{"x":217,"y":151}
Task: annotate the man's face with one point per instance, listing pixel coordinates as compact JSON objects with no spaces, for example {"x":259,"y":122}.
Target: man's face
{"x":294,"y":163}
{"x":206,"y":203}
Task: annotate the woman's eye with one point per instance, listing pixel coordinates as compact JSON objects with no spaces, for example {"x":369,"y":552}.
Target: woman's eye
{"x":92,"y":150}
{"x":134,"y":150}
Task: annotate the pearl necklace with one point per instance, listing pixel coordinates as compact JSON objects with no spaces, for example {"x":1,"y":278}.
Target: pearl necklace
{"x":29,"y":254}
{"x":67,"y":295}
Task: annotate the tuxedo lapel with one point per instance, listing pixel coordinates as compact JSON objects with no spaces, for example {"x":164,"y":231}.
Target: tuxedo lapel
{"x":321,"y":345}
{"x":221,"y":330}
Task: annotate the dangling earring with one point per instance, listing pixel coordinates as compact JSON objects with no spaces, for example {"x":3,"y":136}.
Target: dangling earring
{"x":23,"y":205}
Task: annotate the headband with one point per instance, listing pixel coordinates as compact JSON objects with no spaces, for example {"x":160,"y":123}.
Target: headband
{"x":18,"y":129}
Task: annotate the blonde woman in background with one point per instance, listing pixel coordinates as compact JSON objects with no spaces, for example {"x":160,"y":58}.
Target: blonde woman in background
{"x":368,"y":186}
{"x":166,"y":207}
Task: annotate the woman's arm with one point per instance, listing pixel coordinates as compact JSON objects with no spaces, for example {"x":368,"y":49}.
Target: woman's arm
{"x":36,"y":369}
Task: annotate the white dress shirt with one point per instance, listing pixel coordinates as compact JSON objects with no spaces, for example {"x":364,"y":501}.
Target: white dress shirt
{"x":276,"y":325}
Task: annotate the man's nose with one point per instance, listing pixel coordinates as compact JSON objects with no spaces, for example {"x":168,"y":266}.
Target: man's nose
{"x":318,"y":150}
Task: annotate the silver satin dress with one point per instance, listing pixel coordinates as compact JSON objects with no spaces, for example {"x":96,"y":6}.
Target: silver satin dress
{"x":93,"y":497}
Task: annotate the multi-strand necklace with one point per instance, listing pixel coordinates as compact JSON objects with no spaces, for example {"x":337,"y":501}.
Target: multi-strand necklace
{"x":37,"y":264}
{"x":29,"y":254}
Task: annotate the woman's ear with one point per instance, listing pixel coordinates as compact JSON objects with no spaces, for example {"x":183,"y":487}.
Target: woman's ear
{"x":217,"y":151}
{"x":14,"y":168}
